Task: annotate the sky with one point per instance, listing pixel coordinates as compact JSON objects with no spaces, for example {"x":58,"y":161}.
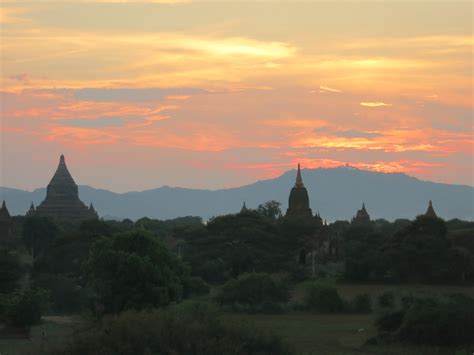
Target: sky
{"x":220,"y":94}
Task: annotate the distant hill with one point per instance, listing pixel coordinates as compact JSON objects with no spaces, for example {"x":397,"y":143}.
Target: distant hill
{"x":336,"y":193}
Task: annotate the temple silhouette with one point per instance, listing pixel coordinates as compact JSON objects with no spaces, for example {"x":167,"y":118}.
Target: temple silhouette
{"x":7,"y":232}
{"x":62,"y":203}
{"x":361,"y":217}
{"x":62,"y":199}
{"x":430,"y":212}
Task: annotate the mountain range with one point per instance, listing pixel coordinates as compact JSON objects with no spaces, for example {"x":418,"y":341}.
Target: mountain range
{"x":336,"y":193}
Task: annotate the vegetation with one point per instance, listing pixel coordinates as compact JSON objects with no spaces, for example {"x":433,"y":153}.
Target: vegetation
{"x":322,"y":296}
{"x":23,"y":308}
{"x":134,"y":277}
{"x":442,"y":321}
{"x":254,"y":291}
{"x":133,"y":270}
{"x":190,"y":328}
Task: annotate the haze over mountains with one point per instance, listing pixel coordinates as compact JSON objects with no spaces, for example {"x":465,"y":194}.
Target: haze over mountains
{"x":335,"y":193}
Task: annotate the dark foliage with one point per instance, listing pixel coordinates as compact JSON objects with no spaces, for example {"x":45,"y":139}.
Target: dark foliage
{"x":190,"y":328}
{"x":442,"y":321}
{"x":65,"y":296}
{"x":254,"y":291}
{"x":270,"y":210}
{"x":23,"y":308}
{"x":38,"y":234}
{"x":234,"y":244}
{"x":421,"y":252}
{"x":11,"y":270}
{"x":362,"y":304}
{"x":133,"y":270}
{"x":386,"y":300}
{"x":322,"y":296}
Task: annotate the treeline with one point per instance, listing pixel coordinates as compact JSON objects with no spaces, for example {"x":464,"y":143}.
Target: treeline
{"x":252,"y":259}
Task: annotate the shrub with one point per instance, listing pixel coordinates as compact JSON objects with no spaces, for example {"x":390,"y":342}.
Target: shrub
{"x":64,"y":294}
{"x":323,"y":297}
{"x":443,"y":321}
{"x":189,"y":328}
{"x":253,"y":290}
{"x":386,"y":300}
{"x":24,"y":308}
{"x":390,"y":321}
{"x":195,"y":286}
{"x":362,"y":303}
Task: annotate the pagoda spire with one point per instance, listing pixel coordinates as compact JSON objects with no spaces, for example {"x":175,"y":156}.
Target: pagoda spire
{"x":244,"y":208}
{"x":430,"y":212}
{"x":299,"y":179}
{"x":4,"y":214}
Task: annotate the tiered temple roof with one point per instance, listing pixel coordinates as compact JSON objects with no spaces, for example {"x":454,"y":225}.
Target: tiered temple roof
{"x":298,"y":202}
{"x":62,"y":198}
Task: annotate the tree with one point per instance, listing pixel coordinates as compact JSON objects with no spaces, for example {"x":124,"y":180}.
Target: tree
{"x":252,"y":290}
{"x":270,"y":209}
{"x":38,"y":234}
{"x":233,"y":244}
{"x":66,"y":254}
{"x":25,"y":307}
{"x":10,"y":271}
{"x":133,"y":270}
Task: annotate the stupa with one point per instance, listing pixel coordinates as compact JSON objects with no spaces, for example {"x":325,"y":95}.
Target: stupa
{"x":62,"y":198}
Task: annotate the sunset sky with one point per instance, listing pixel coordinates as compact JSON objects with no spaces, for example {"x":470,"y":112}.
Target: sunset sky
{"x":220,"y":94}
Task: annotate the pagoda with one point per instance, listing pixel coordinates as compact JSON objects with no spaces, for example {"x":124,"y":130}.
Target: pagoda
{"x":430,"y":211}
{"x":62,"y":199}
{"x":361,"y":216}
{"x":6,"y":224}
{"x":298,"y":202}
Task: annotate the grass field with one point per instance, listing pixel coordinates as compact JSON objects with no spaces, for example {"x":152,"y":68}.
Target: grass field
{"x":332,"y":334}
{"x":349,"y":291}
{"x":57,"y":331}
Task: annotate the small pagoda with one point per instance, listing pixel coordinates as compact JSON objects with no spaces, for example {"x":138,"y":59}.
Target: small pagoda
{"x":430,"y":212}
{"x":6,"y":225}
{"x":298,"y":202}
{"x":361,"y":216}
{"x":62,"y":199}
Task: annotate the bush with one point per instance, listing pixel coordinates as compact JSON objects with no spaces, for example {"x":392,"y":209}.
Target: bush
{"x":252,"y":291}
{"x":65,"y":294}
{"x":443,"y":321}
{"x":195,"y":286}
{"x":362,"y":303}
{"x":23,"y":309}
{"x":189,"y":328}
{"x":323,"y":297}
{"x":386,"y":300}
